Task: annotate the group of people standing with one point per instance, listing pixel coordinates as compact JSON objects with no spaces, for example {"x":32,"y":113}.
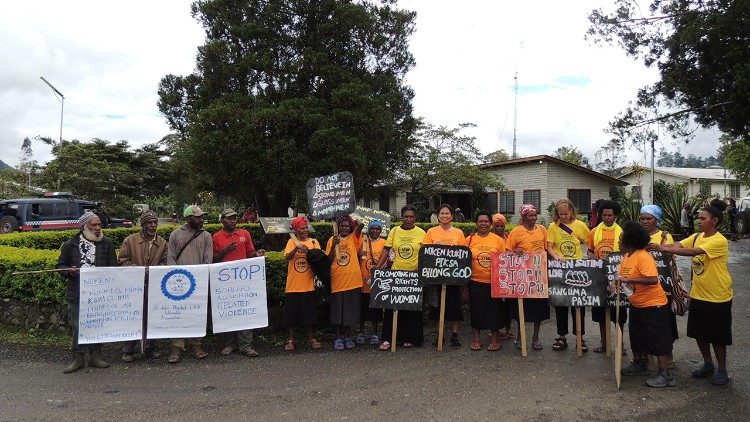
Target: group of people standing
{"x":352,"y":254}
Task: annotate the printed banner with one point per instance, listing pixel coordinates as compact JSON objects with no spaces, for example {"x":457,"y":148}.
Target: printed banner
{"x":579,"y":283}
{"x":331,"y":196}
{"x":111,"y":304}
{"x":177,"y":301}
{"x":519,"y":276}
{"x":396,"y":289}
{"x":444,"y":264}
{"x":238,"y":295}
{"x":279,"y":225}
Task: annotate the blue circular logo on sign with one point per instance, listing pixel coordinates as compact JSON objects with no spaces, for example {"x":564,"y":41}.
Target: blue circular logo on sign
{"x":178,"y":284}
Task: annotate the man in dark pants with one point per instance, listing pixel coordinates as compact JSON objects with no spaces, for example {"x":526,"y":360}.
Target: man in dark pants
{"x":88,"y":248}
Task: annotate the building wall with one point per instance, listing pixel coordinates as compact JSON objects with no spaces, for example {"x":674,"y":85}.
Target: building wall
{"x":718,"y":187}
{"x":561,"y":178}
{"x":520,"y":177}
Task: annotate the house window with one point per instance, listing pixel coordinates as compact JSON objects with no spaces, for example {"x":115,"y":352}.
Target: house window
{"x":507,"y":202}
{"x":490,"y":202}
{"x":734,"y":191}
{"x":533,"y":197}
{"x":384,"y":202}
{"x":705,"y":188}
{"x":581,"y":198}
{"x":637,"y":192}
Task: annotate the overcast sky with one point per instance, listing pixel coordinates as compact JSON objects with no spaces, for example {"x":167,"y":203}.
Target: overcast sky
{"x":107,"y":59}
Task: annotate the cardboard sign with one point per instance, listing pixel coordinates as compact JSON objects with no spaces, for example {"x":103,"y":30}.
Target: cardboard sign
{"x":331,"y":196}
{"x":519,"y":276}
{"x":664,"y":268}
{"x":111,"y":304}
{"x":612,"y":264}
{"x":279,"y":225}
{"x":238,"y":295}
{"x":444,"y":264}
{"x":367,"y":214}
{"x":177,"y":301}
{"x":580,"y":283}
{"x":396,"y":289}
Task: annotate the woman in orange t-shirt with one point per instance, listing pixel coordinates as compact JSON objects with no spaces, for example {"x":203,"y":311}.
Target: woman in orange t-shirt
{"x":525,"y":238}
{"x":649,"y":318}
{"x":372,"y":248}
{"x":486,"y":313}
{"x":445,"y":234}
{"x":300,"y":308}
{"x":346,"y":281}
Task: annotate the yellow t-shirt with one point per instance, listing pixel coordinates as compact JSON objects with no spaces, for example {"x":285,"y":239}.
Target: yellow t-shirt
{"x":405,"y":244}
{"x":641,"y":264}
{"x":608,"y":243}
{"x":299,"y":275}
{"x":656,"y":237}
{"x":371,"y":251}
{"x":345,"y":273}
{"x":711,"y":279}
{"x":440,"y":236}
{"x":481,"y":254}
{"x":529,"y":241}
{"x":568,"y":245}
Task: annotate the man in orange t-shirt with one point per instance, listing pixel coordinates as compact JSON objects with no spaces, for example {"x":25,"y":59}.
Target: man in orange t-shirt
{"x":346,"y":281}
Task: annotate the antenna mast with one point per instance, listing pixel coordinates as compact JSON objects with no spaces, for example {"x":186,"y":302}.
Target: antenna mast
{"x":515,"y":112}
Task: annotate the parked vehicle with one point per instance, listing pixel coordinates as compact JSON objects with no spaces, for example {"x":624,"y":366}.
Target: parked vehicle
{"x":742,"y":219}
{"x":53,"y":211}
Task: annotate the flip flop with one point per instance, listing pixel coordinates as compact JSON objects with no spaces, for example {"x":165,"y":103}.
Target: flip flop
{"x":348,"y":343}
{"x":384,"y":346}
{"x":338,"y":344}
{"x":250,"y":352}
{"x":290,"y":346}
{"x":227,"y":350}
{"x":494,"y":347}
{"x":199,"y":353}
{"x":175,"y":356}
{"x":374,"y":340}
{"x":408,"y":345}
{"x":314,"y":343}
{"x":476,"y":346}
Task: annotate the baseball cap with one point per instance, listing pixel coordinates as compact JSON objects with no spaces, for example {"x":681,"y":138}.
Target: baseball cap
{"x":193,"y":210}
{"x":228,"y":212}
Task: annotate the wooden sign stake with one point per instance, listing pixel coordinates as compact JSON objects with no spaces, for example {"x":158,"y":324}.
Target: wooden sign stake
{"x":336,"y":233}
{"x":522,"y":328}
{"x":579,"y":336}
{"x":618,"y":341}
{"x":394,"y":328}
{"x":442,"y":319}
{"x":607,"y":332}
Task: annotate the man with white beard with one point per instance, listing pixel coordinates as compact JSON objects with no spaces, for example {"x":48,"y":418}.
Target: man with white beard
{"x":88,"y":248}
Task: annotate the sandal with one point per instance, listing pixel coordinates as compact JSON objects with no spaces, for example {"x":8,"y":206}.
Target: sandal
{"x":408,"y":345}
{"x":314,"y":343}
{"x":227,"y":350}
{"x":493,"y":347}
{"x":374,"y":340}
{"x":475,"y":345}
{"x":385,"y":346}
{"x":290,"y":346}
{"x":455,"y":343}
{"x":537,"y":345}
{"x":338,"y":344}
{"x":560,"y":344}
{"x":361,"y":338}
{"x":348,"y":343}
{"x":175,"y":356}
{"x":600,"y":349}
{"x":584,"y":348}
{"x":199,"y":353}
{"x":250,"y":352}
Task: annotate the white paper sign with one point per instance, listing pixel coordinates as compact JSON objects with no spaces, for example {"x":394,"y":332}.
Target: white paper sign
{"x":177,"y":301}
{"x":238,"y":295}
{"x":110,"y":304}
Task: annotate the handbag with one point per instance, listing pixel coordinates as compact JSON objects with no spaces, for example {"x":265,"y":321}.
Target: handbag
{"x":680,"y":297}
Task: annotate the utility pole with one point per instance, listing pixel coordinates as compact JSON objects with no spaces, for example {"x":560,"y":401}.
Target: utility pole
{"x":62,"y":102}
{"x":515,"y":112}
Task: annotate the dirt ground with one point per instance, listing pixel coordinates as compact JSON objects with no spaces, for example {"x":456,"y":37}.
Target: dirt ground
{"x":365,"y":384}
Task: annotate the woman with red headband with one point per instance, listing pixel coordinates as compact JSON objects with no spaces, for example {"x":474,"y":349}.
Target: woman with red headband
{"x":346,"y":281}
{"x":300,"y":308}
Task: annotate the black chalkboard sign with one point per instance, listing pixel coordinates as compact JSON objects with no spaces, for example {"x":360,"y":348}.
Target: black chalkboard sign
{"x":612,"y":264}
{"x":580,"y":283}
{"x":331,"y":196}
{"x":396,"y":289}
{"x":444,"y":264}
{"x":664,"y":267}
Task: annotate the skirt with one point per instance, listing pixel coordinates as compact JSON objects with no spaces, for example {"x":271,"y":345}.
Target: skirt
{"x":710,"y":322}
{"x":534,"y":310}
{"x":453,"y":303}
{"x":486,"y":313}
{"x":410,"y":327}
{"x":649,"y":331}
{"x":345,"y":307}
{"x":366,"y":313}
{"x":598,"y":314}
{"x":300,"y":309}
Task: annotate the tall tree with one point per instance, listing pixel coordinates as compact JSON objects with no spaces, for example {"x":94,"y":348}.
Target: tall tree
{"x":700,"y":48}
{"x":27,"y":164}
{"x":285,"y":90}
{"x":497,"y":156}
{"x":572,"y":155}
{"x":610,"y":158}
{"x":736,"y":153}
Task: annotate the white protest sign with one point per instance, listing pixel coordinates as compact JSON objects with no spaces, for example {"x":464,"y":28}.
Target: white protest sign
{"x":177,"y":301}
{"x":238,"y":295}
{"x":110,"y":304}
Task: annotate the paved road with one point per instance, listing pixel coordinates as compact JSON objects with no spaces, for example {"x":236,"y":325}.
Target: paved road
{"x":366,"y":384}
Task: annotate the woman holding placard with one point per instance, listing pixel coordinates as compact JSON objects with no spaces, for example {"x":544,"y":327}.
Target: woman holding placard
{"x":710,"y":316}
{"x":649,"y":319}
{"x":372,"y":249}
{"x":445,"y":234}
{"x":565,"y":236}
{"x":529,"y":237}
{"x":405,"y":240}
{"x":486,"y":313}
{"x":300,"y":307}
{"x":346,"y":280}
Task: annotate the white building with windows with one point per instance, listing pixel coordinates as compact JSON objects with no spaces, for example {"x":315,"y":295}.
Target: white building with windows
{"x":708,"y":182}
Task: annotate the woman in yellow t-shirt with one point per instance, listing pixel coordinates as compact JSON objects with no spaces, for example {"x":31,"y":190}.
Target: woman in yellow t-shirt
{"x":529,"y":237}
{"x":405,"y":240}
{"x":346,"y":281}
{"x":486,"y":313}
{"x":300,"y":308}
{"x":565,"y":236}
{"x":649,"y":319}
{"x":710,"y":316}
{"x":372,"y":249}
{"x":445,"y":234}
{"x":603,"y":240}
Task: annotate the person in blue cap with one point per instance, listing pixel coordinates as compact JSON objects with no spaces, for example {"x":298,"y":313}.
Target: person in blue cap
{"x":372,"y":248}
